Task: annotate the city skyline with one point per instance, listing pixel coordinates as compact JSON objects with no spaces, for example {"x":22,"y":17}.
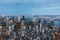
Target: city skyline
{"x":30,"y":7}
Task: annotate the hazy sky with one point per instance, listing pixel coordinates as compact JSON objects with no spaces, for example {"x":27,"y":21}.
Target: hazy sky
{"x":30,"y":7}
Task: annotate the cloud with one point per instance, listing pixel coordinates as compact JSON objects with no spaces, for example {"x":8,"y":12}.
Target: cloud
{"x":27,"y":1}
{"x":29,"y":7}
